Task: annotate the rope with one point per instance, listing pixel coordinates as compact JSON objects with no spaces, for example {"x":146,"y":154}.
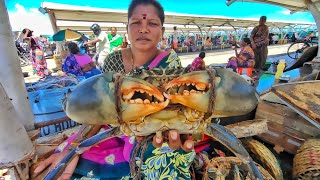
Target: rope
{"x":211,"y":73}
{"x":117,"y":94}
{"x":133,"y":168}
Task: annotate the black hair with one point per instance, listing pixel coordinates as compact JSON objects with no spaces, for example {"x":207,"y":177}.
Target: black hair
{"x":73,"y":48}
{"x":202,"y":54}
{"x":156,"y":4}
{"x":263,"y":18}
{"x":247,"y":40}
{"x":174,"y":27}
{"x":25,"y":30}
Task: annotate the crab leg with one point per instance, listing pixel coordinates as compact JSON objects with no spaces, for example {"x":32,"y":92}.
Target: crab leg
{"x":86,"y":144}
{"x":228,"y":139}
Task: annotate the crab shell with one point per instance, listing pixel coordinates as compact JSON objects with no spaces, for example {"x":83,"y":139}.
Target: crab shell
{"x":179,"y":104}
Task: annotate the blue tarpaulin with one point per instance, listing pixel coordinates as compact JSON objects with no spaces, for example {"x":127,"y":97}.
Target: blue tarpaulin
{"x":47,"y":105}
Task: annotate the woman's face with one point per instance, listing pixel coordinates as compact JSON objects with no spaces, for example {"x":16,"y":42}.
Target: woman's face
{"x":144,"y":28}
{"x":262,"y":21}
{"x":242,"y":43}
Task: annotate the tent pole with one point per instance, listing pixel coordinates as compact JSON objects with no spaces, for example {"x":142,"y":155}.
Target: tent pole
{"x":55,"y":28}
{"x":11,"y":76}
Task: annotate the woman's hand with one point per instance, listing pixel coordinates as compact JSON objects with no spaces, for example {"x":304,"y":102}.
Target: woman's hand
{"x":53,"y":160}
{"x":174,"y":139}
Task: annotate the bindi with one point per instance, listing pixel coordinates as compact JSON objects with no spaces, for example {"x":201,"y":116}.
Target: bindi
{"x":144,"y":16}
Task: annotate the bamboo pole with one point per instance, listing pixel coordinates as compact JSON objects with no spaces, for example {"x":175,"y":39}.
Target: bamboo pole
{"x":11,"y":76}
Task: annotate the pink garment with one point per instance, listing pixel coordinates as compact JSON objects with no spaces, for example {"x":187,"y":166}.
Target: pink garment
{"x":111,"y":151}
{"x":197,"y":64}
{"x":83,"y":59}
{"x":157,"y":60}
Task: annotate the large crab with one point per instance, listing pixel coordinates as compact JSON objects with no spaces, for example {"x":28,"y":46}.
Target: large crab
{"x":149,"y":101}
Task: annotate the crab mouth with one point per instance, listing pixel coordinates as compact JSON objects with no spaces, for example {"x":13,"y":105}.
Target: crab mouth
{"x":140,"y":98}
{"x":191,"y":90}
{"x":186,"y":88}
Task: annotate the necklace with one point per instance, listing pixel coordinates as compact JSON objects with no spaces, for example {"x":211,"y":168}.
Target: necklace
{"x":132,"y":60}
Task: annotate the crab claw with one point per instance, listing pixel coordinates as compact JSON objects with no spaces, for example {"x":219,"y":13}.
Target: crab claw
{"x":230,"y":89}
{"x":190,"y":89}
{"x":139,"y":99}
{"x":234,"y":95}
{"x":93,"y":101}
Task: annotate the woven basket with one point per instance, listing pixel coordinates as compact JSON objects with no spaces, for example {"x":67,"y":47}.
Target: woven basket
{"x":264,"y":156}
{"x":221,"y":167}
{"x":306,"y":163}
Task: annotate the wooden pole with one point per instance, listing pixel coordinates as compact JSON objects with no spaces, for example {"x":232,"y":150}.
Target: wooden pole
{"x":11,"y":76}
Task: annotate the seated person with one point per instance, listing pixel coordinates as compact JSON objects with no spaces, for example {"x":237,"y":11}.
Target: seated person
{"x":198,"y":63}
{"x":245,"y":58}
{"x":79,"y":64}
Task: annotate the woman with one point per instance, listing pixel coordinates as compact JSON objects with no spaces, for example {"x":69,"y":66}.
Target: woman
{"x":39,"y":63}
{"x":208,"y":42}
{"x":145,"y":21}
{"x":79,"y":64}
{"x":259,"y":41}
{"x":245,"y":58}
{"x":114,"y":39}
{"x":198,"y":63}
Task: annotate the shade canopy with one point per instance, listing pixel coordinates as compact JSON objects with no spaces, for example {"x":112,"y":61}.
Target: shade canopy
{"x":75,"y":17}
{"x":68,"y":35}
{"x":292,"y":5}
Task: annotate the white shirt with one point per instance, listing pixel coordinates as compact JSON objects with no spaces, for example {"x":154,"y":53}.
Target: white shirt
{"x":175,"y":36}
{"x":103,"y":43}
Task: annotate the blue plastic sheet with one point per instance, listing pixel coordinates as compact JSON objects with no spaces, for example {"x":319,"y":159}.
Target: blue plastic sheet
{"x":47,"y":105}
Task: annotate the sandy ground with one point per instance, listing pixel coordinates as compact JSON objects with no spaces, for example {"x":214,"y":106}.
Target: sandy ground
{"x":217,"y":56}
{"x":221,"y":56}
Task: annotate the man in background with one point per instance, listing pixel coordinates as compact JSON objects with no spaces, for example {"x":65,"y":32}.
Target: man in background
{"x":115,"y":40}
{"x":102,"y":44}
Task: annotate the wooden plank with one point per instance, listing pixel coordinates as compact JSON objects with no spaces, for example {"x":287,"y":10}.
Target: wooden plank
{"x":286,"y":117}
{"x":303,"y":96}
{"x":248,"y":128}
{"x":51,"y":122}
{"x":290,"y":140}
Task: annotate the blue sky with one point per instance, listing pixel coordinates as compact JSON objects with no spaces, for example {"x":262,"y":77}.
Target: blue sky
{"x":203,"y":7}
